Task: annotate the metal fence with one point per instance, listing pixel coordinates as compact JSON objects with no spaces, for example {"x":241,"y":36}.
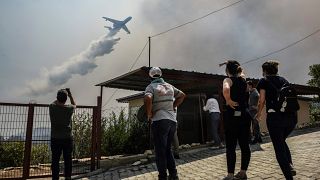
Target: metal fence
{"x":25,"y":140}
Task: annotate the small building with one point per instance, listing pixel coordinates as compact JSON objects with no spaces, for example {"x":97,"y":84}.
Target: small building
{"x":192,"y":120}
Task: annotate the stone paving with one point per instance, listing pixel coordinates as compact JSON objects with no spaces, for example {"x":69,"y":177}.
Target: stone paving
{"x":207,"y":163}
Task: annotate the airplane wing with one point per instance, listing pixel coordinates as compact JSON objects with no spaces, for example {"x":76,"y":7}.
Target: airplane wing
{"x":111,"y":20}
{"x":124,"y":27}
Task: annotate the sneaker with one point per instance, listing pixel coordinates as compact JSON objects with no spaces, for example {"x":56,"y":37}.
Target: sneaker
{"x":293,"y":171}
{"x":228,"y":178}
{"x":240,"y":176}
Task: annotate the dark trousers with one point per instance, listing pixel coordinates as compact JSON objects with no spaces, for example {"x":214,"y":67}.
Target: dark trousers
{"x":214,"y":126}
{"x":255,"y":125}
{"x":59,"y":146}
{"x":237,"y":131}
{"x":280,"y":126}
{"x":163,"y":131}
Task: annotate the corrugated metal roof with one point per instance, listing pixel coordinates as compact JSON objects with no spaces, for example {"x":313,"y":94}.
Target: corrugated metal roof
{"x":187,"y":81}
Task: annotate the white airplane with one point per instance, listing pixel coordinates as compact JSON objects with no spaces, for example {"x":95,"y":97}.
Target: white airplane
{"x":118,"y":24}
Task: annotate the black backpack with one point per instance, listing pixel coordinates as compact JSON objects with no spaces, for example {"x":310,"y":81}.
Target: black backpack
{"x":287,"y":100}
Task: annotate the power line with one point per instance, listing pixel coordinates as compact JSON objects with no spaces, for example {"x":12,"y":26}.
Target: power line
{"x":189,"y":22}
{"x":134,"y":63}
{"x":282,"y":49}
{"x":138,"y":56}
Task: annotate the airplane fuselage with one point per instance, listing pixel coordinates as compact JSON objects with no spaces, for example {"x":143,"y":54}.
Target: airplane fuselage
{"x":117,"y":25}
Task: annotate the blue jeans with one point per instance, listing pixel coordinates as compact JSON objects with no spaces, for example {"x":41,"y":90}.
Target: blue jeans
{"x":214,"y":126}
{"x":163,"y":131}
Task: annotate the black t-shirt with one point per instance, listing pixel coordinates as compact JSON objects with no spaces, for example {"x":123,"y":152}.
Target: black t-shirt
{"x":60,"y":117}
{"x":238,"y":92}
{"x":271,"y":91}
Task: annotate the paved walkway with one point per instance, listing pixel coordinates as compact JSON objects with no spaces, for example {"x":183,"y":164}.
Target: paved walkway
{"x":210,"y":164}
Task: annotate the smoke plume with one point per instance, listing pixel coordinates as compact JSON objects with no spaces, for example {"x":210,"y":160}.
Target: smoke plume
{"x":244,"y":31}
{"x":81,"y":64}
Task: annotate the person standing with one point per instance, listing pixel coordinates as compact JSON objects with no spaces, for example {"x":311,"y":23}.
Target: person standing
{"x":161,"y":99}
{"x":212,"y":106}
{"x":279,"y":124}
{"x":236,"y":119}
{"x":253,"y":109}
{"x":61,"y":137}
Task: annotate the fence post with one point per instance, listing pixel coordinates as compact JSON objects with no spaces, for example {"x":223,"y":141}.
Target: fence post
{"x":93,"y":139}
{"x":28,"y":143}
{"x":99,"y":134}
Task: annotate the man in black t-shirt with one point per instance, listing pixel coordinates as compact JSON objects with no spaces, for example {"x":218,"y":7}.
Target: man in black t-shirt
{"x":61,"y":137}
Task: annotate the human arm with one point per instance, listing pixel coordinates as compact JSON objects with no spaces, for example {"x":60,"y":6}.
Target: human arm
{"x":261,"y":103}
{"x":206,"y":107}
{"x":227,"y":83}
{"x":148,"y":105}
{"x":178,"y":99}
{"x":71,"y":97}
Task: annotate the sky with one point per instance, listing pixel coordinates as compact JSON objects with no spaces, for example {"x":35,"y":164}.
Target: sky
{"x":37,"y":36}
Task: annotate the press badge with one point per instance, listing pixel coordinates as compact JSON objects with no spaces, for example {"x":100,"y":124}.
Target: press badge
{"x":237,"y":113}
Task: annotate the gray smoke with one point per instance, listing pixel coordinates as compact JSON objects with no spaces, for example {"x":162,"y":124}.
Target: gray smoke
{"x":245,"y":31}
{"x":81,"y":64}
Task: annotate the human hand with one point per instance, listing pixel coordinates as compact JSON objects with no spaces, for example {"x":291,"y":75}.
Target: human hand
{"x":69,"y":92}
{"x":149,"y":116}
{"x":232,"y":104}
{"x":258,"y":116}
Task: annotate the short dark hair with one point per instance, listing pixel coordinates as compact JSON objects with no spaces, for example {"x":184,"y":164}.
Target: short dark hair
{"x":250,"y":83}
{"x":233,"y":67}
{"x":62,"y":95}
{"x":270,"y":67}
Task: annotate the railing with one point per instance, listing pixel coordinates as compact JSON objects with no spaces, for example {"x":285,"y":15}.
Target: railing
{"x":25,"y":140}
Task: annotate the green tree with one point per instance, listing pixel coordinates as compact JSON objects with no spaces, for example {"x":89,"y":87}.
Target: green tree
{"x":315,"y":81}
{"x":315,"y":75}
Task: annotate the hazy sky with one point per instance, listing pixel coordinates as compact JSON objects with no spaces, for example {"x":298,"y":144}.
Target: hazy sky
{"x":37,"y":35}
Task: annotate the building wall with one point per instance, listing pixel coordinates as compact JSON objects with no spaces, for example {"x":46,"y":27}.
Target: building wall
{"x":303,"y":115}
{"x":136,"y":103}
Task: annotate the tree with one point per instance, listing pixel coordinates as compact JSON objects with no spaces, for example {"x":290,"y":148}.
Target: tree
{"x":315,"y":81}
{"x":315,"y":75}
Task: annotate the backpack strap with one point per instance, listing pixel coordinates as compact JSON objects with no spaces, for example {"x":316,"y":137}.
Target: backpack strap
{"x":278,"y":90}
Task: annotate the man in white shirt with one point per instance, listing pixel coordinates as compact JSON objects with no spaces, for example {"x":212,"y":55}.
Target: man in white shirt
{"x":161,"y":99}
{"x":212,"y":106}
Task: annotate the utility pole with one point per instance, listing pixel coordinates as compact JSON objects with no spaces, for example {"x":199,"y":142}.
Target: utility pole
{"x":149,"y":50}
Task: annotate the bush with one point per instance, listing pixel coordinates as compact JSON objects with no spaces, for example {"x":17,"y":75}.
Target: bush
{"x":115,"y":133}
{"x":40,"y":154}
{"x":81,"y":127}
{"x":315,"y":111}
{"x":11,"y":154}
{"x":123,"y":135}
{"x":138,"y":141}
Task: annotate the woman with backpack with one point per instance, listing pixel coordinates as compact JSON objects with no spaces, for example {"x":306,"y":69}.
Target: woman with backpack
{"x":236,"y":119}
{"x":279,"y":122}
